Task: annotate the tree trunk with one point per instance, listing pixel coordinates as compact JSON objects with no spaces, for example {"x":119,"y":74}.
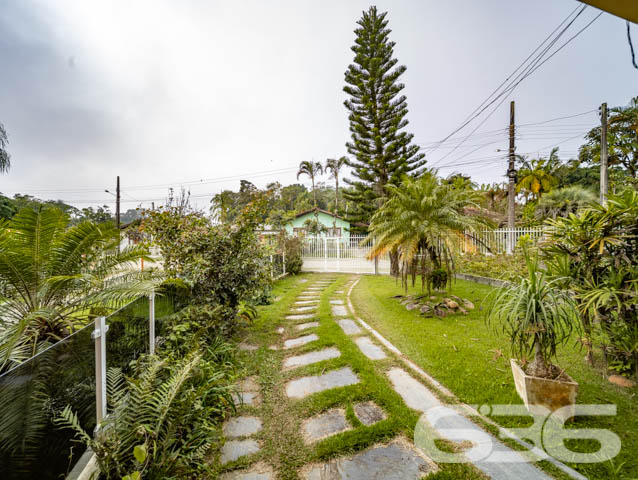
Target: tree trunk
{"x":394,"y":263}
{"x":539,"y":367}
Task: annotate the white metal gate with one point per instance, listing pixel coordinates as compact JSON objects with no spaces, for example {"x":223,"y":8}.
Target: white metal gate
{"x":340,"y":254}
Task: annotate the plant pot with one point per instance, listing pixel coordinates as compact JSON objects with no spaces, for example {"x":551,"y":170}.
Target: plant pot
{"x":542,"y":394}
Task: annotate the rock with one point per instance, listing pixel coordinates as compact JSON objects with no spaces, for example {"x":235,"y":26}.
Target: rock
{"x":451,"y":304}
{"x":467,"y":304}
{"x":426,"y":309}
{"x":369,"y":413}
{"x":621,"y":381}
{"x":412,"y":306}
{"x":462,"y":310}
{"x":325,"y":425}
{"x":433,"y":298}
{"x":396,"y":296}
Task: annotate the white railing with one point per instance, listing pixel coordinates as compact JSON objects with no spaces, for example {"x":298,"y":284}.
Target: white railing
{"x":348,"y":254}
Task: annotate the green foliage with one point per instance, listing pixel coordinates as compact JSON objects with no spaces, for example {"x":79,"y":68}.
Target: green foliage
{"x":312,"y":170}
{"x":595,"y":254}
{"x":438,"y":278}
{"x":52,"y":277}
{"x":536,"y":315}
{"x":161,"y":423}
{"x":5,"y":158}
{"x":292,"y":247}
{"x":382,"y":150}
{"x":561,"y":202}
{"x":421,"y":220}
{"x":502,"y":267}
{"x":538,"y":176}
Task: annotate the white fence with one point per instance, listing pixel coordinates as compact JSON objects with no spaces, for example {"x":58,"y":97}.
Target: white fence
{"x":348,"y":254}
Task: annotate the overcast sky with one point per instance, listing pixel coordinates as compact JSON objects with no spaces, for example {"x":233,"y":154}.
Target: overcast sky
{"x":203,"y":93}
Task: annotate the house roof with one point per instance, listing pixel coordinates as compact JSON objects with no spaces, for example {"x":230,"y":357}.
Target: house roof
{"x":320,"y":210}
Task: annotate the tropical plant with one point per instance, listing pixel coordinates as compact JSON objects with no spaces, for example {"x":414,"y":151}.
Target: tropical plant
{"x":537,"y":176}
{"x":563,"y":201}
{"x":161,"y":423}
{"x":312,"y":170}
{"x":5,"y":158}
{"x":421,"y":219}
{"x":334,"y":166}
{"x":381,"y":149}
{"x":595,"y":255}
{"x":537,"y":316}
{"x":53,"y":278}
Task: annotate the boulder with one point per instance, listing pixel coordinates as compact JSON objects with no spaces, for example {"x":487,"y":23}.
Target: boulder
{"x":467,"y":304}
{"x":621,"y":381}
{"x":451,"y":304}
{"x":412,"y":306}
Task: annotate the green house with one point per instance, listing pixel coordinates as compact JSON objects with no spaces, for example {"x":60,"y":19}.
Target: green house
{"x":336,"y":226}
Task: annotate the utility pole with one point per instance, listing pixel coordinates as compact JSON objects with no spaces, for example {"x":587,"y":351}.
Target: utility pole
{"x":604,"y":155}
{"x":511,"y":188}
{"x":117,"y":213}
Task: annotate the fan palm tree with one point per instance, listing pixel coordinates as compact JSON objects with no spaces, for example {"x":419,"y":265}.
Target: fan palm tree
{"x":5,"y":158}
{"x":334,"y":166}
{"x":563,"y":201}
{"x":52,"y":278}
{"x":421,"y":218}
{"x":312,"y":170}
{"x":538,"y":175}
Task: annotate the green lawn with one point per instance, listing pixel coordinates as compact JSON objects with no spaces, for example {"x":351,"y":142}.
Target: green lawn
{"x":473,"y":362}
{"x":281,"y":440}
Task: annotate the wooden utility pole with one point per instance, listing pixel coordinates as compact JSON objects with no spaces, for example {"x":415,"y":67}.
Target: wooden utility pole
{"x":117,"y":212}
{"x":604,"y":155}
{"x":511,"y":187}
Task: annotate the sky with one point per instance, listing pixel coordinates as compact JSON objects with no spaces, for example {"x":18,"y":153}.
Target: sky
{"x":202,"y":93}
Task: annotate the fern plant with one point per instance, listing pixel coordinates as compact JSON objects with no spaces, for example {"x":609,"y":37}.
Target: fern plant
{"x":161,"y":424}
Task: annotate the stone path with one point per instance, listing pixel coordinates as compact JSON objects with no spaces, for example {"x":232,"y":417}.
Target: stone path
{"x":395,"y":459}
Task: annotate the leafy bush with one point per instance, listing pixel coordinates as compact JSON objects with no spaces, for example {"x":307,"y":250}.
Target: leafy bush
{"x":438,"y":278}
{"x":503,"y":267}
{"x":292,"y":246}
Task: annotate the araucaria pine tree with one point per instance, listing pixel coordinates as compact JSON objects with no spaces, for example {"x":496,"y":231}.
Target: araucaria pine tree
{"x":381,"y":149}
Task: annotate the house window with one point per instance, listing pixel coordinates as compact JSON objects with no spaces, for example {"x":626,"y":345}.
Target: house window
{"x":334,"y":232}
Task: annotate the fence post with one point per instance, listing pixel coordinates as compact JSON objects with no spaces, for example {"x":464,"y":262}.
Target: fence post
{"x":325,"y":254}
{"x":99,"y":335}
{"x":338,"y":240}
{"x":151,"y":323}
{"x":376,"y":265}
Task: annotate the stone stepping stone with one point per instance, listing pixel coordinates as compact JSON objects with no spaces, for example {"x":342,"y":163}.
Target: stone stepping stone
{"x":302,"y":387}
{"x":242,"y":427}
{"x":297,"y":342}
{"x":369,"y":413}
{"x":313,"y":295}
{"x":247,"y":347}
{"x":248,"y":392}
{"x":315,"y":289}
{"x":325,"y":425}
{"x":369,"y":349}
{"x":259,"y":471}
{"x":311,"y":308}
{"x":303,"y":280}
{"x":281,"y":330}
{"x":336,"y":302}
{"x":414,"y":393}
{"x":312,"y":357}
{"x":307,"y":302}
{"x":339,"y":311}
{"x":305,"y":326}
{"x":349,"y":327}
{"x":235,"y":449}
{"x":300,"y":316}
{"x":399,"y":460}
{"x":339,"y":292}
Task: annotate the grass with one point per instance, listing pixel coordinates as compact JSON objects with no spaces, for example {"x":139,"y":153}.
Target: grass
{"x":473,"y":362}
{"x":282,"y":443}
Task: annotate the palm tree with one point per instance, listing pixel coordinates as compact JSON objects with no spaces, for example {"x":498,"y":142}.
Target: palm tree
{"x":5,"y":158}
{"x":52,"y":278}
{"x":334,"y":166}
{"x":312,"y":170}
{"x":421,"y":219}
{"x":538,"y":175}
{"x":563,"y":201}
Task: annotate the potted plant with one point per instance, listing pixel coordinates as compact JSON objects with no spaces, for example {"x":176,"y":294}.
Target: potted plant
{"x":537,"y":317}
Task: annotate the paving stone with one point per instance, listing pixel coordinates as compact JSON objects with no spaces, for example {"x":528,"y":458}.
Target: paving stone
{"x":369,"y":349}
{"x":280,"y":330}
{"x":259,"y":471}
{"x":302,"y":387}
{"x":242,"y":427}
{"x":339,"y":311}
{"x":247,"y":347}
{"x":325,"y":425}
{"x":235,"y":449}
{"x":312,"y":357}
{"x":413,"y":392}
{"x":246,"y":398}
{"x":398,"y":460}
{"x":307,"y":295}
{"x":249,"y":384}
{"x":296,"y":342}
{"x":349,"y":327}
{"x":307,"y":302}
{"x":315,"y":289}
{"x":304,"y":326}
{"x":339,"y":292}
{"x":369,"y":413}
{"x":336,"y":302}
{"x":300,"y":316}
{"x":311,"y":308}
{"x":303,"y":280}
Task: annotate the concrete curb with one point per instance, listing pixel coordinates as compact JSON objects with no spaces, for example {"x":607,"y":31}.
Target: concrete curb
{"x":492,"y":282}
{"x":86,"y":468}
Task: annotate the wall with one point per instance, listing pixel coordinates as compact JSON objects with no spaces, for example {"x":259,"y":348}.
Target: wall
{"x":324,"y":219}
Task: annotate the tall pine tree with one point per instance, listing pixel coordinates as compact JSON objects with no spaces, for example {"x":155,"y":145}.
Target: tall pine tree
{"x":381,"y":151}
